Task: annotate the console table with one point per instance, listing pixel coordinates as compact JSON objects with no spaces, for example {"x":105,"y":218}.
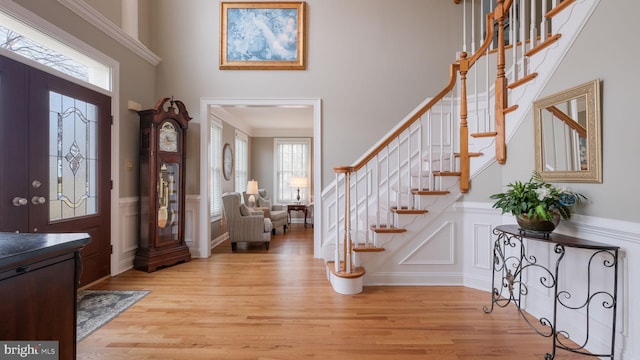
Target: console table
{"x":297,"y":207}
{"x":511,"y":259}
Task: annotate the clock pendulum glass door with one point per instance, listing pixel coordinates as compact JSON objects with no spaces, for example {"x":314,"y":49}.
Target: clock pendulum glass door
{"x":168,"y":201}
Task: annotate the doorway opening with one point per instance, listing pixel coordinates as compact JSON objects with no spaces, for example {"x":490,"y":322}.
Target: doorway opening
{"x":214,"y":107}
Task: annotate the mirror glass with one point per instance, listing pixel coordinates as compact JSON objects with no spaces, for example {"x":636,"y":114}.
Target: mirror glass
{"x":568,"y":145}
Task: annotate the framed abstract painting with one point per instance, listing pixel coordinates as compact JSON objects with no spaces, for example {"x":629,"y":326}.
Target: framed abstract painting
{"x":262,"y":35}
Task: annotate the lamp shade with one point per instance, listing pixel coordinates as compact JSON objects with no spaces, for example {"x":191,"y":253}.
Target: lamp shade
{"x":298,"y":182}
{"x":252,"y":187}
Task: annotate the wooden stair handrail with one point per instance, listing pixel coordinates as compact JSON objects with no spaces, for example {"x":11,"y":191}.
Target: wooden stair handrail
{"x":561,"y":6}
{"x":487,"y":41}
{"x":453,"y":70}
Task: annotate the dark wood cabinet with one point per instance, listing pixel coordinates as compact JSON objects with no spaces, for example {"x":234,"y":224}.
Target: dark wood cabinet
{"x":162,"y":197}
{"x":39,"y":275}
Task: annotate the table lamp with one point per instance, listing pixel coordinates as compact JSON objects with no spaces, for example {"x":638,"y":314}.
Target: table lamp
{"x":252,"y":191}
{"x":298,"y":182}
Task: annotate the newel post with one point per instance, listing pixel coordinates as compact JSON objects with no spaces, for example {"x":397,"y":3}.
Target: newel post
{"x":347,"y":245}
{"x":465,"y":172}
{"x":501,"y":83}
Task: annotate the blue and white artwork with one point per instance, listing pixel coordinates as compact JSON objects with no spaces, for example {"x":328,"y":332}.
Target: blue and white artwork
{"x":262,"y":34}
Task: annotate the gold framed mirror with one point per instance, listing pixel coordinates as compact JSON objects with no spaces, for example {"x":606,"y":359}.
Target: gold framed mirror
{"x":568,"y":138}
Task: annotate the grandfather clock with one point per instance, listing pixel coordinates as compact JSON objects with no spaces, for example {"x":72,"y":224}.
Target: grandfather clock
{"x":162,"y":158}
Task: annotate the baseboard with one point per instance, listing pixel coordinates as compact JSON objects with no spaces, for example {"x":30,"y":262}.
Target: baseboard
{"x":219,"y":240}
{"x":413,"y":279}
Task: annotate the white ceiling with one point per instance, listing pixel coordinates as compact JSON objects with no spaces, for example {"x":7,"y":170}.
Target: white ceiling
{"x":267,"y":120}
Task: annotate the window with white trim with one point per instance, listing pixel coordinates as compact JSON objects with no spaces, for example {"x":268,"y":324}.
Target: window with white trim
{"x":241,"y":166}
{"x":215,"y":169}
{"x":292,"y":159}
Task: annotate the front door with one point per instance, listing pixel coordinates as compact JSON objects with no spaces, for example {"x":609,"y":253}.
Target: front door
{"x":55,"y":160}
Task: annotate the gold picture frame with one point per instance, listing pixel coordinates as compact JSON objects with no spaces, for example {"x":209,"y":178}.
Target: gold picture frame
{"x":262,"y":35}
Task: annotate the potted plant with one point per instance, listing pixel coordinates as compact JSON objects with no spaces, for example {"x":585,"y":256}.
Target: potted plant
{"x":536,"y":204}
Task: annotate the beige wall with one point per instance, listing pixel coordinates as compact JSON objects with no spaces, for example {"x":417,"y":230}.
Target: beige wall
{"x":370,"y":61}
{"x":112,"y":9}
{"x":262,"y":162}
{"x":593,"y":55}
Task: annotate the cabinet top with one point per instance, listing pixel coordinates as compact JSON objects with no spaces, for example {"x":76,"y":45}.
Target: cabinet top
{"x":555,"y":238}
{"x":18,"y":248}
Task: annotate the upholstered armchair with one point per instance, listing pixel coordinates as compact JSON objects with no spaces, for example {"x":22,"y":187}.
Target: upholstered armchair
{"x":310,"y":214}
{"x":243,"y":224}
{"x":277,"y":213}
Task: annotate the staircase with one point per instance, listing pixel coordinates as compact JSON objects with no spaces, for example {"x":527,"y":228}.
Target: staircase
{"x":381,"y":211}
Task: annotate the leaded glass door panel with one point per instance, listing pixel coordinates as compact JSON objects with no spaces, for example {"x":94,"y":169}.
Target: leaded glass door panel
{"x":72,"y":157}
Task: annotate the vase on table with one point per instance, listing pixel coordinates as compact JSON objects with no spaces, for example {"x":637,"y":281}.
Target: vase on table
{"x":538,"y":225}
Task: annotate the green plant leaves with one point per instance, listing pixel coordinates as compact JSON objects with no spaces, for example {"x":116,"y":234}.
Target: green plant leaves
{"x":536,"y":199}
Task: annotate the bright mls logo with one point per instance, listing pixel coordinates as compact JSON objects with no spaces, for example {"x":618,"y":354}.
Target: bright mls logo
{"x":33,"y":350}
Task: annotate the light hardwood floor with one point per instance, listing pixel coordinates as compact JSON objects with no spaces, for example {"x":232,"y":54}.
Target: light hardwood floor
{"x":278,"y":304}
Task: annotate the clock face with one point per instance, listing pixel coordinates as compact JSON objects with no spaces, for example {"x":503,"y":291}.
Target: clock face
{"x":227,"y":162}
{"x":168,"y":137}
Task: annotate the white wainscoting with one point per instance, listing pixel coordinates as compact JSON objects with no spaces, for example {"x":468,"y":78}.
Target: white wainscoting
{"x":428,"y":254}
{"x":478,"y":220}
{"x":125,"y":242}
{"x":198,"y":249}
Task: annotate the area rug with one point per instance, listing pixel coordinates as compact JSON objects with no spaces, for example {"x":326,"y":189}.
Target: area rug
{"x":98,"y":307}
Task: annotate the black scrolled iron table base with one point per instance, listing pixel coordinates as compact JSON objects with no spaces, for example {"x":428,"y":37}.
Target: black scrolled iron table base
{"x":510,"y":260}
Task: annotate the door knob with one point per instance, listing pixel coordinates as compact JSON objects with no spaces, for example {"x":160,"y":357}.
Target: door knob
{"x":18,"y":201}
{"x":38,"y":200}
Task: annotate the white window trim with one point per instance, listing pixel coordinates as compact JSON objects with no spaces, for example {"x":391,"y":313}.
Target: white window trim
{"x":216,"y":156}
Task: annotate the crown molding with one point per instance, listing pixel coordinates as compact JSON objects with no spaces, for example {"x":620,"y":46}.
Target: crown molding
{"x":91,"y":15}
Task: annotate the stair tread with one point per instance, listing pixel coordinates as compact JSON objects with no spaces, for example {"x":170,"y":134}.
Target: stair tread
{"x":522,"y":80}
{"x":356,"y":272}
{"x":408,"y":211}
{"x":510,"y":109}
{"x":430,"y":192}
{"x":446,"y":173}
{"x":561,"y":6}
{"x":471,"y":154}
{"x":387,"y":230}
{"x":365,"y":248}
{"x":550,"y":40}
{"x":484,"y":134}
